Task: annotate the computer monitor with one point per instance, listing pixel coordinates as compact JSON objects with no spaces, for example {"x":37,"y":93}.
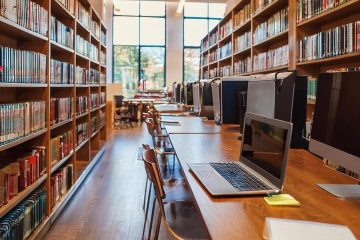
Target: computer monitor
{"x":189,"y":100}
{"x":335,"y":129}
{"x":203,"y":101}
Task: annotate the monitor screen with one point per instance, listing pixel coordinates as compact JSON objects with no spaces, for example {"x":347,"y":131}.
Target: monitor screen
{"x":264,"y":146}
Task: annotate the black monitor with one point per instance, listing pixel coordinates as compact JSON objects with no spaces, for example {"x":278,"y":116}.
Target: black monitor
{"x":188,"y":91}
{"x":203,"y":100}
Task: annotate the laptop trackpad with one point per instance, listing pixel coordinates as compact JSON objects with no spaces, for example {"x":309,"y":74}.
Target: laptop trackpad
{"x":205,"y":174}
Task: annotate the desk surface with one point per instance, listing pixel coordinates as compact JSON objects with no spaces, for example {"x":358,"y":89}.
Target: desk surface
{"x":140,"y":100}
{"x":188,"y":125}
{"x":170,"y":108}
{"x":243,"y":217}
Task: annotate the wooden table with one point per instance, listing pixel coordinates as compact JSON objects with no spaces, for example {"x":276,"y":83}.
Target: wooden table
{"x":147,"y":100}
{"x":170,"y":108}
{"x":189,"y":125}
{"x":243,"y":217}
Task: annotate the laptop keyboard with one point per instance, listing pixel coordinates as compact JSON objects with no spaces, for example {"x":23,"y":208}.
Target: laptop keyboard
{"x":238,"y":177}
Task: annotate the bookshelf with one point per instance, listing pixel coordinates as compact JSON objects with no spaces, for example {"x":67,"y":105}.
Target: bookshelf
{"x":248,"y":15}
{"x":81,"y":157}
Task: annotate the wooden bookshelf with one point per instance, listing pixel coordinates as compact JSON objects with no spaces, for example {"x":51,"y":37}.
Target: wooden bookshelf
{"x":86,"y":154}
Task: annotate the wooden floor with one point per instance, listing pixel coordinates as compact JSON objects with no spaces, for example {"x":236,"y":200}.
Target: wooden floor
{"x":109,"y":203}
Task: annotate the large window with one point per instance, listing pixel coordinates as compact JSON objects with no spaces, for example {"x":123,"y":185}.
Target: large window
{"x":139,"y":45}
{"x":199,"y":19}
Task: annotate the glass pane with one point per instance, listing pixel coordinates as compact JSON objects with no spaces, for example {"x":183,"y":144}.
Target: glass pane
{"x":192,"y":9}
{"x":152,"y":8}
{"x":126,"y":31}
{"x":152,"y":67}
{"x":191,"y":64}
{"x":126,"y":8}
{"x":217,"y":10}
{"x":152,"y":31}
{"x":194,"y":31}
{"x":212,"y":24}
{"x":126,"y":62}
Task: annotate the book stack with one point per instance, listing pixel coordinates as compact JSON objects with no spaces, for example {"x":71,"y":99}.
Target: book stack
{"x":261,"y":4}
{"x":205,"y":60}
{"x":82,"y":46}
{"x":81,"y":133}
{"x":276,"y":24}
{"x":271,"y":59}
{"x":102,"y":118}
{"x":205,"y":74}
{"x":309,"y":8}
{"x":93,"y":52}
{"x":60,"y":109}
{"x":81,"y":105}
{"x":242,"y":66}
{"x":95,"y":123}
{"x":103,"y":38}
{"x":225,"y":71}
{"x":68,"y":4}
{"x":213,"y":73}
{"x":27,"y":14}
{"x":204,"y":45}
{"x":20,"y":119}
{"x":61,"y":72}
{"x":102,"y":78}
{"x":242,"y":42}
{"x":214,"y":38}
{"x":336,"y":41}
{"x":95,"y":28}
{"x":213,"y":56}
{"x":94,"y":101}
{"x":225,"y":50}
{"x":94,"y":76}
{"x":61,"y":33}
{"x":312,"y":89}
{"x":226,"y":29}
{"x":61,"y":183}
{"x":17,"y":66}
{"x":242,"y":16}
{"x":82,"y":75}
{"x":102,"y":57}
{"x":102,"y":98}
{"x":21,"y":221}
{"x":82,"y":15}
{"x":61,"y":146}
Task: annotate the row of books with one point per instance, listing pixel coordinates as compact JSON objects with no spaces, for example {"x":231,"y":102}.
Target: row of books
{"x":17,"y":66}
{"x":261,"y":4}
{"x":102,"y":78}
{"x":22,"y":221}
{"x":102,"y":57}
{"x":204,"y":60}
{"x":242,"y":16}
{"x":82,"y":132}
{"x":82,"y":46}
{"x":94,"y":100}
{"x":95,"y":28}
{"x":20,"y":119}
{"x":242,"y":42}
{"x":271,"y":59}
{"x":225,"y":71}
{"x":103,"y":38}
{"x":102,"y":118}
{"x":61,"y":72}
{"x":68,"y":4}
{"x":205,"y":74}
{"x":336,"y":41}
{"x":95,"y":123}
{"x":213,"y":72}
{"x":226,"y":29}
{"x":93,"y":52}
{"x":82,"y":105}
{"x":17,"y":176}
{"x":213,"y":56}
{"x":204,"y":45}
{"x":242,"y":66}
{"x":94,"y":76}
{"x":61,"y":183}
{"x":225,"y":50}
{"x":82,"y":75}
{"x":82,"y":15}
{"x":61,"y":33}
{"x":312,"y":89}
{"x":275,"y":24}
{"x":61,"y":146}
{"x":60,"y":109}
{"x":306,"y":9}
{"x":26,"y":13}
{"x":213,"y":38}
{"x":102,"y":98}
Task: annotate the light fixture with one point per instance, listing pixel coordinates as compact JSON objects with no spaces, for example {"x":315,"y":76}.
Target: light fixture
{"x":180,"y":8}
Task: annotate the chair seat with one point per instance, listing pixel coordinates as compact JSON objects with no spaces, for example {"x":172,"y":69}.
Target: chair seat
{"x":177,"y":190}
{"x":184,"y":221}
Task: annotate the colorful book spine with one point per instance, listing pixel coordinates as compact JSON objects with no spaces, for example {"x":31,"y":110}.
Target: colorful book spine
{"x":95,"y":28}
{"x":82,"y":132}
{"x":242,"y":16}
{"x":94,"y":76}
{"x":94,"y":100}
{"x":60,"y":109}
{"x":68,"y":4}
{"x":242,"y":42}
{"x":95,"y":123}
{"x":242,"y":66}
{"x":82,"y":14}
{"x":226,"y":29}
{"x":61,"y":182}
{"x":103,"y":38}
{"x":273,"y":58}
{"x":82,"y":75}
{"x":82,"y":46}
{"x":61,"y":72}
{"x":225,"y":51}
{"x":261,"y":4}
{"x":102,"y":57}
{"x":61,"y":146}
{"x":102,"y":98}
{"x":61,"y":33}
{"x":82,"y":105}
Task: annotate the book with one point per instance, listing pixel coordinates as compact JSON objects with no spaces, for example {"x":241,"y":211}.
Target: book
{"x":261,"y":4}
{"x":242,"y":16}
{"x":61,"y":72}
{"x":95,"y":28}
{"x":242,"y":42}
{"x":82,"y":133}
{"x":102,"y":98}
{"x":82,"y":14}
{"x":225,"y":29}
{"x":225,"y":71}
{"x":273,"y":58}
{"x":68,"y":4}
{"x":61,"y":182}
{"x":94,"y":76}
{"x":61,"y":33}
{"x":224,"y":51}
{"x":95,"y":123}
{"x":103,"y":38}
{"x":102,"y":57}
{"x":60,"y":109}
{"x":82,"y":46}
{"x":93,"y":52}
{"x":242,"y":66}
{"x":61,"y":146}
{"x":102,"y":118}
{"x":82,"y":75}
{"x":94,"y":100}
{"x":82,"y":105}
{"x":102,"y":78}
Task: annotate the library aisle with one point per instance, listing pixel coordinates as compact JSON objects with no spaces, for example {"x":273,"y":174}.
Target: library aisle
{"x":108,"y":205}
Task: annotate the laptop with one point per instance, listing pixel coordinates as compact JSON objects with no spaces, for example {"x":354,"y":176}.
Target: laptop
{"x":263,"y":158}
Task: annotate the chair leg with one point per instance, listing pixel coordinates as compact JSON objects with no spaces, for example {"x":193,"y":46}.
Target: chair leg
{"x":151,"y":218}
{"x":158,"y":225}
{"x":146,"y":186}
{"x":146,"y":212}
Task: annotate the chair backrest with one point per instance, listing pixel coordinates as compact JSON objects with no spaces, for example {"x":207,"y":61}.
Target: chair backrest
{"x":153,"y":171}
{"x":146,"y":147}
{"x":118,"y":101}
{"x":150,"y":126}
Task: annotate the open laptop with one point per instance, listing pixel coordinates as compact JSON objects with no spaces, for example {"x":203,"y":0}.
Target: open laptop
{"x":262,"y":164}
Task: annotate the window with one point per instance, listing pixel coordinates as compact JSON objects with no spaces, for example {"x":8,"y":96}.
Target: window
{"x":199,"y":20}
{"x":139,"y":45}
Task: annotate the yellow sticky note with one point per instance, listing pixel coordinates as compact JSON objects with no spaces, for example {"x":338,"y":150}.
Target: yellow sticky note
{"x":281,"y":200}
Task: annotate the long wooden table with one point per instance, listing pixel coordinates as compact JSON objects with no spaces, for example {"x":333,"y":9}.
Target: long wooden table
{"x":189,"y":125}
{"x":243,"y":217}
{"x":170,"y":108}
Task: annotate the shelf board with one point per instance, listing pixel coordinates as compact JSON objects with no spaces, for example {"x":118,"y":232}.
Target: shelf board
{"x":94,"y":85}
{"x":101,"y":127}
{"x":212,"y":63}
{"x":242,"y":51}
{"x":103,"y":85}
{"x":21,"y":196}
{"x":81,"y":145}
{"x":94,"y":133}
{"x":80,"y":25}
{"x":94,"y":61}
{"x":61,"y":162}
{"x":59,"y":47}
{"x":94,"y":109}
{"x":225,"y":58}
{"x":54,"y":85}
{"x":272,"y":39}
{"x":340,"y":11}
{"x":213,"y":46}
{"x":227,"y":37}
{"x":269,"y":9}
{"x":23,"y":85}
{"x":41,"y":230}
{"x":103,"y":105}
{"x":83,"y":57}
{"x":342,"y":57}
{"x":16,"y":31}
{"x":81,"y":115}
{"x":62,"y":123}
{"x":22,"y":140}
{"x":60,"y":10}
{"x":93,"y":37}
{"x":245,"y":25}
{"x":102,"y":45}
{"x":205,"y":66}
{"x":270,"y":70}
{"x":81,"y":85}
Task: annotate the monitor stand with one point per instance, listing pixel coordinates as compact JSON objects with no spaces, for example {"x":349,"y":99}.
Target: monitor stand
{"x":342,"y":190}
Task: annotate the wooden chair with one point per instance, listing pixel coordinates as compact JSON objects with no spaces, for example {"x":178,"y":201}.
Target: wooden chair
{"x":180,"y":216}
{"x":121,"y":112}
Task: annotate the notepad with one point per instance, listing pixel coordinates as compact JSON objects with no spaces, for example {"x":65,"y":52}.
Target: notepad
{"x":285,"y":229}
{"x":281,"y":200}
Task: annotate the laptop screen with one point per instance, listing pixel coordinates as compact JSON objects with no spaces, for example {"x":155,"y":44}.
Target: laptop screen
{"x":264,"y":146}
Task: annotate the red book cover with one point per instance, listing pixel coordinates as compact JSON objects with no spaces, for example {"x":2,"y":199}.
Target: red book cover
{"x":32,"y":163}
